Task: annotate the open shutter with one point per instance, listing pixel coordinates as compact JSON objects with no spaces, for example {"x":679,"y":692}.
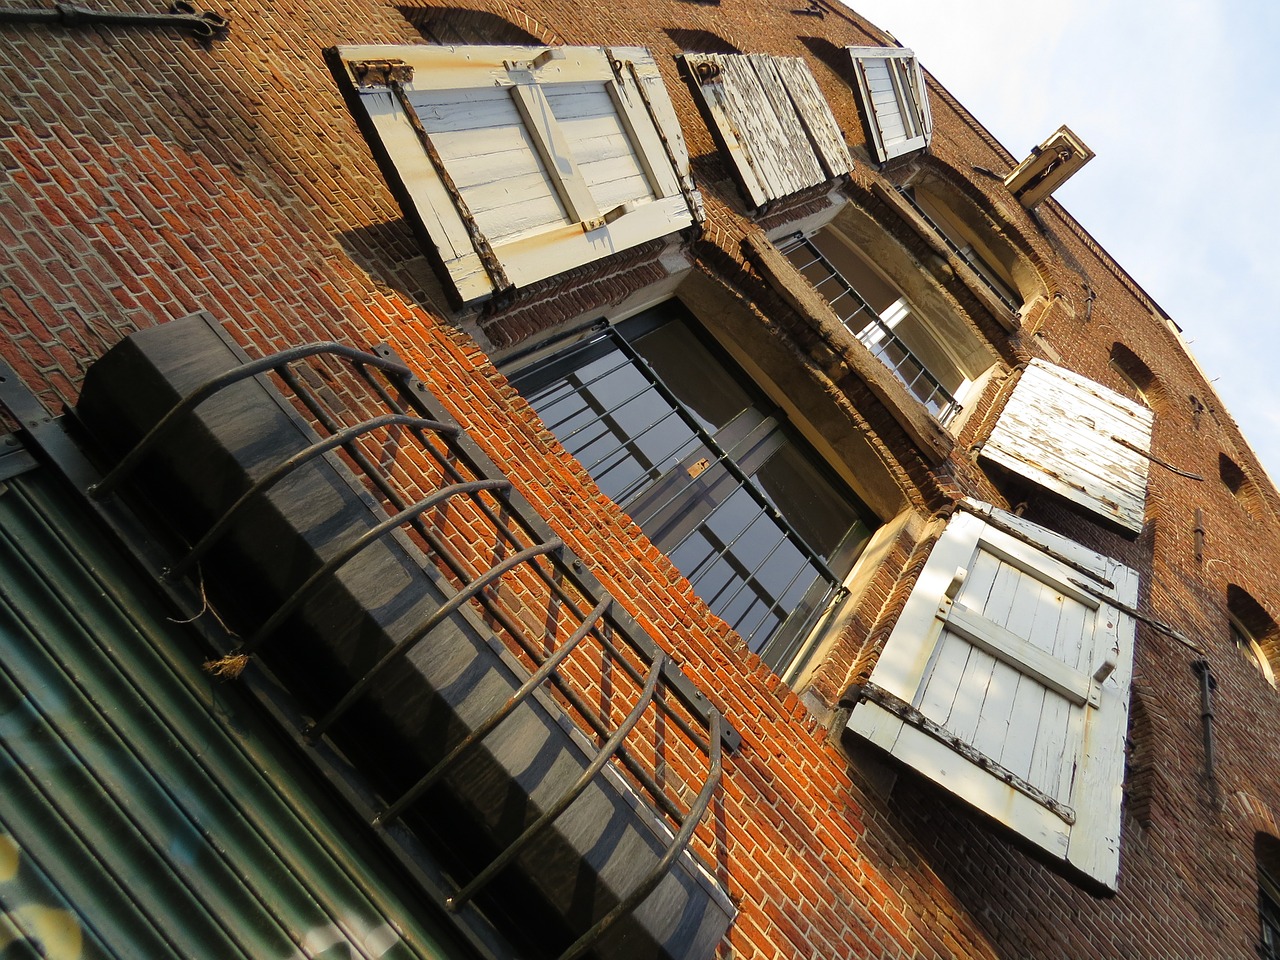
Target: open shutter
{"x":1006,"y":680}
{"x":771,"y":121}
{"x":1077,"y":438}
{"x":518,"y":163}
{"x":891,"y":87}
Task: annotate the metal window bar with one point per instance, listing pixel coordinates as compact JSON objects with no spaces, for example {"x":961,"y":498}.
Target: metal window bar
{"x":721,"y":456}
{"x":879,"y":338}
{"x":408,"y":401}
{"x":964,"y":253}
{"x":724,"y":458}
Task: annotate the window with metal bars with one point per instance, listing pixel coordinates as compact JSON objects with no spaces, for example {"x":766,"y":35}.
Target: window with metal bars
{"x":963,"y":242}
{"x":712,"y":472}
{"x":878,"y":315}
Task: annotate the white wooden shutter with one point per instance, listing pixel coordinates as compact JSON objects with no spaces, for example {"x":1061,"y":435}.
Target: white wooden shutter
{"x":770,"y":119}
{"x":891,"y":87}
{"x":1077,"y":438}
{"x":545,"y":158}
{"x":1007,"y":682}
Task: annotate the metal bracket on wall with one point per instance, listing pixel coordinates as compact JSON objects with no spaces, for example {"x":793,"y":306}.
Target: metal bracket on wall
{"x":207,"y":26}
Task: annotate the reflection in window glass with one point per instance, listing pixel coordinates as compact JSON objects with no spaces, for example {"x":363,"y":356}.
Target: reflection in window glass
{"x":709,"y":469}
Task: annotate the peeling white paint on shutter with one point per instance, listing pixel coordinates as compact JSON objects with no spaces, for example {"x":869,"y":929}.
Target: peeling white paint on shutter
{"x":768,"y":115}
{"x":1060,"y":430}
{"x":1009,"y":686}
{"x":556,"y":157}
{"x":891,"y":88}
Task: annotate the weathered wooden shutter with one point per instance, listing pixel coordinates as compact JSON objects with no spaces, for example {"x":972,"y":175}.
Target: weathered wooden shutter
{"x":891,"y":87}
{"x":519,"y":163}
{"x":770,"y":119}
{"x":1077,"y":438}
{"x":1006,"y":680}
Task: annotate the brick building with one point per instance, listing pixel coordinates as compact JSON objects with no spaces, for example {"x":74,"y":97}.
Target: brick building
{"x":656,"y":480}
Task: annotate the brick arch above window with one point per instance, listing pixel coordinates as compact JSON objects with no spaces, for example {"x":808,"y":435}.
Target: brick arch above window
{"x":466,"y":25}
{"x":1254,"y":632}
{"x":1240,"y":484}
{"x":1137,"y":376}
{"x":701,"y":41}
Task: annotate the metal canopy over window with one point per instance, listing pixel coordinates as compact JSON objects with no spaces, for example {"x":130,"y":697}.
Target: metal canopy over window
{"x":710,"y":470}
{"x":426,"y":638}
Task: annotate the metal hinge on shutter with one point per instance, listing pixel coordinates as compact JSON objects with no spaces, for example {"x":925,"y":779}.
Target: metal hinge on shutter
{"x":872,"y":693}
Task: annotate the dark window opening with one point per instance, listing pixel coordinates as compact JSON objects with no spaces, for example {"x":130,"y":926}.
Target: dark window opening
{"x":1136,"y":374}
{"x":711,"y":471}
{"x":1267,"y":852}
{"x":1252,"y":631}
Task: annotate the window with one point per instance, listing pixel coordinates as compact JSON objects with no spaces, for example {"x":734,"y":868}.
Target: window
{"x":515,"y":164}
{"x":1252,"y":631}
{"x":1079,"y":439}
{"x":938,"y":366}
{"x":710,"y":470}
{"x":1267,"y":850}
{"x":966,"y":243}
{"x":1007,"y":683}
{"x":1136,"y":375}
{"x":1240,"y":484}
{"x":895,"y":104}
{"x":769,"y":118}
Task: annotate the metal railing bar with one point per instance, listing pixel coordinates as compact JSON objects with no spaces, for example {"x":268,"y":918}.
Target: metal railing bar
{"x":372,"y":535}
{"x":715,"y":447}
{"x":677,"y":847}
{"x":419,"y":633}
{"x":610,"y":747}
{"x":632,"y":438}
{"x":965,"y":254}
{"x":284,"y":468}
{"x":108,"y":484}
{"x":553,"y":582}
{"x":491,"y":722}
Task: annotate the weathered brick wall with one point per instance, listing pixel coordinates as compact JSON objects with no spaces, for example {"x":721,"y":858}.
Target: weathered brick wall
{"x":146,"y":176}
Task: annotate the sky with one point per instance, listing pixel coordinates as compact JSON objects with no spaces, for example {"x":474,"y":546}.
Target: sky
{"x":1178,"y":99}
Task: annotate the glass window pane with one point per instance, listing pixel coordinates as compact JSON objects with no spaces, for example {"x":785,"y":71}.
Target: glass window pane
{"x":753,"y":540}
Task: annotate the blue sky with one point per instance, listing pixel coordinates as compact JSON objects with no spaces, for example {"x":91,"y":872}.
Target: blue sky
{"x":1178,"y":100}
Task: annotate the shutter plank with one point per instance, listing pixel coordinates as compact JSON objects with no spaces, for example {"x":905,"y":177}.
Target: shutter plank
{"x":815,"y":115}
{"x":800,"y":164}
{"x":650,"y":120}
{"x":553,"y":147}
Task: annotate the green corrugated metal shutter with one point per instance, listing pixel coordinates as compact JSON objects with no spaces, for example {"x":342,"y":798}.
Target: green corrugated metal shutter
{"x":147,"y":811}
